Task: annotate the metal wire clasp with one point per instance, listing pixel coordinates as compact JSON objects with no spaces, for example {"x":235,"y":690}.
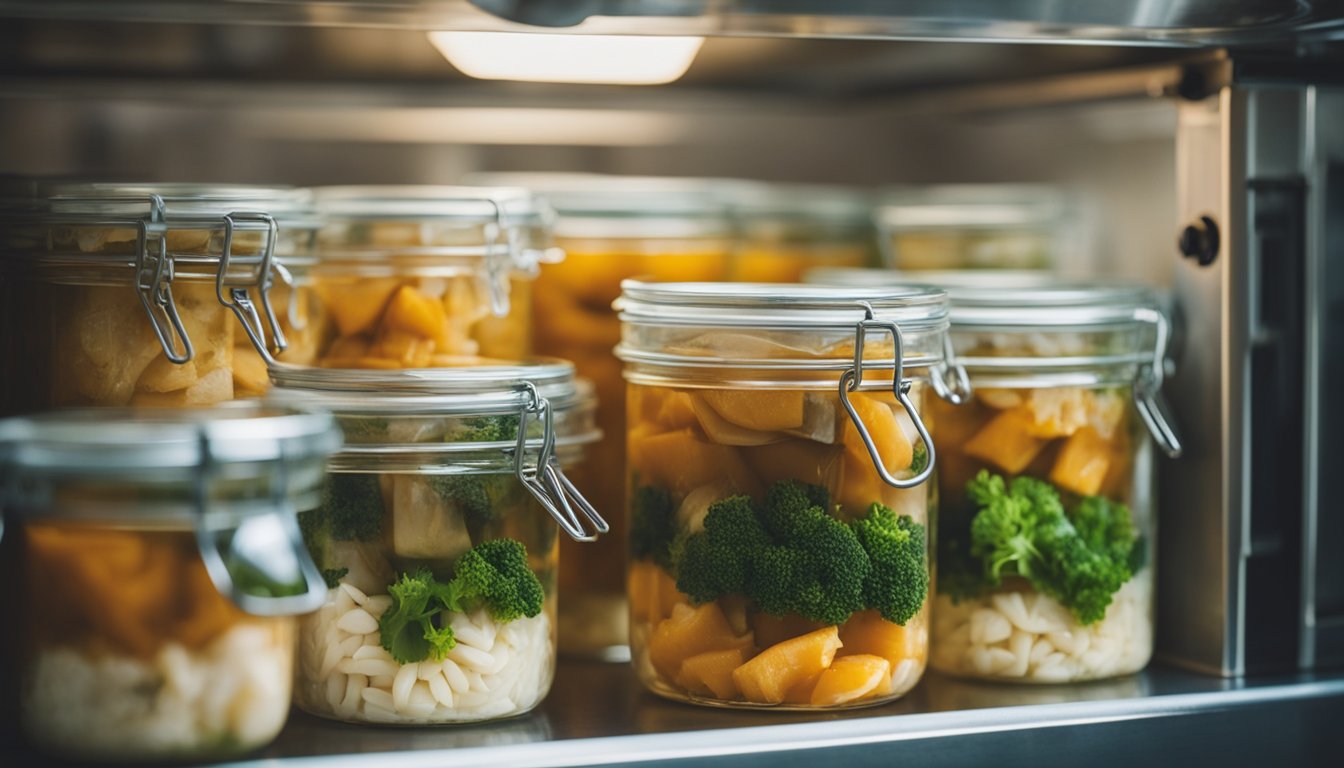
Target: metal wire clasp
{"x":497,"y":267}
{"x":262,"y":540}
{"x":852,"y":379}
{"x":1148,"y":386}
{"x":544,"y":479}
{"x":153,"y":284}
{"x":234,"y":294}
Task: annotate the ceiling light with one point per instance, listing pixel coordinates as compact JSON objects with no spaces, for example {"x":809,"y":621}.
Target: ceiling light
{"x":565,"y":58}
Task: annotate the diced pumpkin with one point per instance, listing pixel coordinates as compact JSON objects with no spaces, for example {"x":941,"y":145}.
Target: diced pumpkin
{"x":1006,"y":442}
{"x":356,"y":305}
{"x":892,"y":444}
{"x":249,"y":372}
{"x":801,"y":692}
{"x":770,"y":675}
{"x":675,"y":411}
{"x":867,"y":633}
{"x":1082,"y":463}
{"x":414,"y":313}
{"x":999,"y":399}
{"x":850,"y":678}
{"x":408,"y":349}
{"x":711,"y":673}
{"x":801,"y":460}
{"x":690,"y":631}
{"x":725,"y":432}
{"x":764,"y":410}
{"x":652,"y":592}
{"x":681,"y":463}
{"x":773,"y":630}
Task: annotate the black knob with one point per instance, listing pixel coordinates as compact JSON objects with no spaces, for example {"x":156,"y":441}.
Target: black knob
{"x":1199,"y":241}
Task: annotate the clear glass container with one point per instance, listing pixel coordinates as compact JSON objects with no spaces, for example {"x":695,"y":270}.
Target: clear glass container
{"x":1048,"y":520}
{"x":158,"y":568}
{"x":989,"y":226}
{"x":780,"y":519}
{"x":783,"y":230}
{"x":413,"y":277}
{"x":438,"y":538}
{"x":153,"y":295}
{"x":612,"y":228}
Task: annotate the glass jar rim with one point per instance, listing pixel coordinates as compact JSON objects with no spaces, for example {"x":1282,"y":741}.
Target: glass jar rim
{"x":511,"y":206}
{"x":755,"y":203}
{"x":970,"y":206}
{"x":112,"y":203}
{"x":123,"y":441}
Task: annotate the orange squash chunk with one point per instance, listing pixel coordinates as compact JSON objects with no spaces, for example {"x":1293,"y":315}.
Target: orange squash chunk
{"x":356,"y":305}
{"x":711,"y":673}
{"x":794,"y":459}
{"x":688,"y":632}
{"x":867,"y":633}
{"x":801,"y":692}
{"x":681,"y":462}
{"x":652,"y":592}
{"x":412,"y":312}
{"x":763,"y":410}
{"x":850,"y":678}
{"x":1006,"y":442}
{"x":1082,"y":463}
{"x":892,"y":444}
{"x":724,"y":432}
{"x":769,"y":677}
{"x":772,"y":630}
{"x":675,"y":411}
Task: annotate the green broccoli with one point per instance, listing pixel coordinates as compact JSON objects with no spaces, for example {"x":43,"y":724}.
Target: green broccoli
{"x":787,"y":556}
{"x":653,"y":525}
{"x":1080,"y":558}
{"x":369,"y":429}
{"x":496,"y":574}
{"x":351,"y":509}
{"x":486,"y":429}
{"x":493,"y":574}
{"x":919,"y":460}
{"x":899,"y":579}
{"x":475,"y":496}
{"x":333,"y":576}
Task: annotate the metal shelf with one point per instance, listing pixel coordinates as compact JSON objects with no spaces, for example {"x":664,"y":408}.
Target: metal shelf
{"x":597,"y":714}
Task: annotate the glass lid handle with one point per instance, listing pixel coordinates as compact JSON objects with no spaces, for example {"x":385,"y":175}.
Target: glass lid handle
{"x":257,"y":559}
{"x":497,"y":263}
{"x":958,"y":390}
{"x":233,"y":293}
{"x":544,"y":478}
{"x":852,"y":379}
{"x":153,"y":284}
{"x":1152,"y":406}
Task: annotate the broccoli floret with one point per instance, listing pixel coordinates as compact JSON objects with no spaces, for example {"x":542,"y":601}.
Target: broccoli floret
{"x":371,"y":429}
{"x":919,"y":460}
{"x":333,"y":576}
{"x":653,"y":525}
{"x":496,"y":574}
{"x":486,"y":429}
{"x":353,"y":506}
{"x":899,"y":579}
{"x":1080,"y":558}
{"x":475,"y":496}
{"x":788,"y":556}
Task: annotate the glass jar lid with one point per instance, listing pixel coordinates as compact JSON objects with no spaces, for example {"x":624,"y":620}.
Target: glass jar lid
{"x":601,"y":207}
{"x":435,"y":231}
{"x":147,"y":236}
{"x":485,"y":417}
{"x":235,"y":476}
{"x":972,"y":206}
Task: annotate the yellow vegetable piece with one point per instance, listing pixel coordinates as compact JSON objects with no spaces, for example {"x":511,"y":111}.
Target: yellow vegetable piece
{"x":725,"y":432}
{"x":356,"y":305}
{"x":675,"y":411}
{"x":867,"y":633}
{"x":1006,"y":442}
{"x":681,"y":462}
{"x":794,"y":459}
{"x":773,"y":630}
{"x":801,"y":692}
{"x":892,"y":444}
{"x":250,"y":377}
{"x":1082,"y":463}
{"x":769,"y":677}
{"x":757,"y":409}
{"x":711,"y":673}
{"x":414,"y":313}
{"x":850,"y":678}
{"x":689,"y":632}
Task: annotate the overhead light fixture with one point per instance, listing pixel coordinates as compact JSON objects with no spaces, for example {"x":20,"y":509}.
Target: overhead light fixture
{"x":565,"y":58}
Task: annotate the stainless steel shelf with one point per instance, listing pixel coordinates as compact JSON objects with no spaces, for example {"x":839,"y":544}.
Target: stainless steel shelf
{"x":598,"y":715}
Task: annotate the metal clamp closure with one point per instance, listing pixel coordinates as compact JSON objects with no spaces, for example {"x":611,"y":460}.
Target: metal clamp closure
{"x":267,"y":570}
{"x":497,"y":266}
{"x":1147,"y":387}
{"x":544,"y":479}
{"x":153,"y":284}
{"x":958,"y":390}
{"x":234,"y":294}
{"x":852,"y":379}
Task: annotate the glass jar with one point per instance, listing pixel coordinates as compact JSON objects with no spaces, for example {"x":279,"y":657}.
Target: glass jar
{"x":437,"y":537}
{"x":413,"y":277}
{"x":158,"y":567}
{"x":784,"y":230}
{"x":1046,"y":536}
{"x":612,"y":228}
{"x":778,"y":452}
{"x":156,"y":295}
{"x":990,"y":226}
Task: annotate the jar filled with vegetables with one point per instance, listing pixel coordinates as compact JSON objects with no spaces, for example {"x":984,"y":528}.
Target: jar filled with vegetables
{"x":413,"y":277}
{"x":158,"y":295}
{"x":612,"y":228}
{"x":437,"y":536}
{"x":779,"y":448}
{"x":784,"y":230}
{"x":1045,"y":544}
{"x":159,"y":567}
